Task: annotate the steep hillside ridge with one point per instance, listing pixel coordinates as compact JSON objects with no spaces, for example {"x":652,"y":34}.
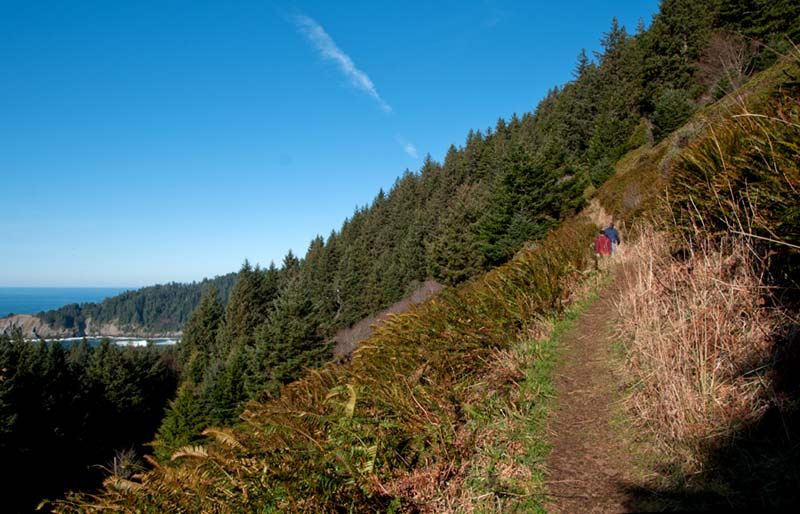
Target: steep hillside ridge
{"x":400,"y":408}
{"x":394,"y":428}
{"x":346,"y":341}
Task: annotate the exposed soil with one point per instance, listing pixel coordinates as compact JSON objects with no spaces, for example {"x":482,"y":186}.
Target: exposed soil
{"x":588,"y":462}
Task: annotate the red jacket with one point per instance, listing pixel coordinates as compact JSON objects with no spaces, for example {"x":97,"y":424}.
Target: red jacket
{"x":602,"y":245}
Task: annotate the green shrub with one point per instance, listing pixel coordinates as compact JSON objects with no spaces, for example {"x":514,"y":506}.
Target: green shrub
{"x":671,"y":111}
{"x":744,"y":177}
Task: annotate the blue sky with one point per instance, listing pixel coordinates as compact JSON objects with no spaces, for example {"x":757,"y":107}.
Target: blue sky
{"x":145,"y":142}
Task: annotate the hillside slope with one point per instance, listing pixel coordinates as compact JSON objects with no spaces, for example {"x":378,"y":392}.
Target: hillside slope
{"x":700,"y":412}
{"x":396,"y":429}
{"x":403,"y":413}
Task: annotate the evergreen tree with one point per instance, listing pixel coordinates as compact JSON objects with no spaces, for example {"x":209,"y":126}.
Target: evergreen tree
{"x":198,"y":344}
{"x":183,"y":422}
{"x":223,"y":390}
{"x":63,"y":412}
{"x":353,"y":266}
{"x":671,"y":111}
{"x":453,"y":251}
{"x":770,"y":21}
{"x":288,"y":344}
{"x":673,"y":44}
{"x":249,"y":305}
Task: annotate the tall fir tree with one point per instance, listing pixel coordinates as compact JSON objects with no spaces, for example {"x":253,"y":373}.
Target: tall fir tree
{"x":198,"y":344}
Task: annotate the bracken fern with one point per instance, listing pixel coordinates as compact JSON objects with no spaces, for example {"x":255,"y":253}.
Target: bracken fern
{"x":387,"y":429}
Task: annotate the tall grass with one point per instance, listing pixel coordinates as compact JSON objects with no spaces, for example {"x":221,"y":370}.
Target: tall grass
{"x":743,"y":177}
{"x":709,"y":319}
{"x":699,"y":333}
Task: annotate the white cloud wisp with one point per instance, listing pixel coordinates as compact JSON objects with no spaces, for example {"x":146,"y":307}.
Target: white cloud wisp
{"x":329,"y":50}
{"x":408,"y":148}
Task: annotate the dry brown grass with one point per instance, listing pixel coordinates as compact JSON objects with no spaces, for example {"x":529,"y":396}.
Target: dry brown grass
{"x":699,"y":335}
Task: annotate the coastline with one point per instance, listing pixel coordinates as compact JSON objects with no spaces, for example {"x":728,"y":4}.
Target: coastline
{"x":34,"y":328}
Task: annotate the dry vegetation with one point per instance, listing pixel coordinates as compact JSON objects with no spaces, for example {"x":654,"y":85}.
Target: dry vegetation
{"x":403,"y":427}
{"x":700,"y":332}
{"x":710,"y":318}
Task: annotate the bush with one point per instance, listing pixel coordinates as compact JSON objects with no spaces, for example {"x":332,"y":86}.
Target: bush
{"x":671,"y":111}
{"x":744,"y":177}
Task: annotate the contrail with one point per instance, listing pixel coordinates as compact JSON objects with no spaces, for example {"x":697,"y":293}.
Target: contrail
{"x":328,"y":49}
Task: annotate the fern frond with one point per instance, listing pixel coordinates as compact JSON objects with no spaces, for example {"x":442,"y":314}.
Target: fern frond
{"x":121,"y":484}
{"x":224,"y":436}
{"x":372,"y":454}
{"x":350,"y":406}
{"x":152,"y":461}
{"x":190,"y":451}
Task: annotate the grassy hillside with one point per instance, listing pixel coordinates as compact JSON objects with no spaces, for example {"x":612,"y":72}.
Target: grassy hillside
{"x":405,"y":424}
{"x":711,"y":318}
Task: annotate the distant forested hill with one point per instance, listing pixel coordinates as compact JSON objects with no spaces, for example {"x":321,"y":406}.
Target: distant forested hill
{"x":151,"y":310}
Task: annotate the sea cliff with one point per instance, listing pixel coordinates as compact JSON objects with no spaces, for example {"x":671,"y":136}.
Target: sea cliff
{"x":33,"y":327}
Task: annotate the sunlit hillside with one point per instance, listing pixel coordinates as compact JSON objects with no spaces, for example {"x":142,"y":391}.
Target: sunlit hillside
{"x":534,"y":353}
{"x":709,"y":211}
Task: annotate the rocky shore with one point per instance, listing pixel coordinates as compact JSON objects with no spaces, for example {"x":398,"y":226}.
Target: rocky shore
{"x":33,"y":328}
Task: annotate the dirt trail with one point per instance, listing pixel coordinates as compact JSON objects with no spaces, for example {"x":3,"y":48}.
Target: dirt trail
{"x":588,"y":461}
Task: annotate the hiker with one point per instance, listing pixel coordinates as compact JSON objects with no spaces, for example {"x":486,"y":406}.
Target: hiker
{"x":612,"y":234}
{"x":602,"y":245}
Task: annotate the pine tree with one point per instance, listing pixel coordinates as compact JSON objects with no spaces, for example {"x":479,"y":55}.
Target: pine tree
{"x":288,"y":344}
{"x":198,"y":344}
{"x":223,"y":390}
{"x":766,"y":20}
{"x":353,"y":266}
{"x":248,"y":306}
{"x":671,"y":111}
{"x":453,"y":251}
{"x":673,"y":44}
{"x":183,"y":422}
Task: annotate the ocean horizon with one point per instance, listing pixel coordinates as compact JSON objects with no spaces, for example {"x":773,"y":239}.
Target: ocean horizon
{"x":33,"y":300}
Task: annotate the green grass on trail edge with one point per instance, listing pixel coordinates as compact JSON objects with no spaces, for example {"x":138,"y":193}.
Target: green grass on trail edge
{"x":518,"y":421}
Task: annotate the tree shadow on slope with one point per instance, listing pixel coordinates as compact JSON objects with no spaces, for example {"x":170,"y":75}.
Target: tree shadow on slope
{"x":756,"y":469}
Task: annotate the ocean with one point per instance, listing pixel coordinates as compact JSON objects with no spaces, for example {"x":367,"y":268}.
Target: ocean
{"x":32,"y":300}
